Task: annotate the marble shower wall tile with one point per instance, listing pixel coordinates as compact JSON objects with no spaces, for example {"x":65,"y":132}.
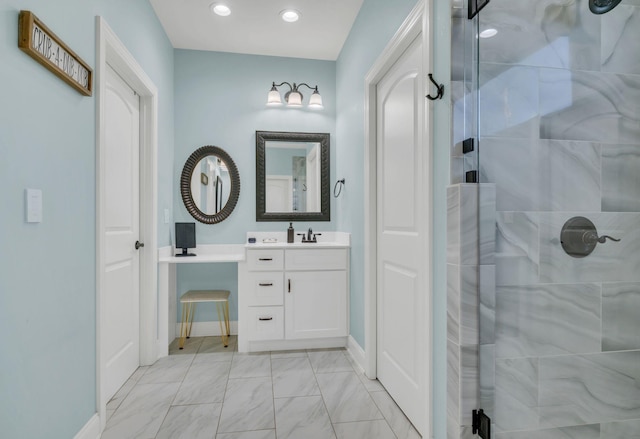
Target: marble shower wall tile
{"x":591,"y":388}
{"x":508,"y":101}
{"x":462,"y":382}
{"x":620,"y":321}
{"x":620,"y":430}
{"x":453,"y":385}
{"x":471,"y":224}
{"x":487,"y":311}
{"x":517,"y":394}
{"x":579,"y":432}
{"x":620,"y":178}
{"x":462,"y":304}
{"x":487,"y":379}
{"x":591,"y":106}
{"x":546,"y":33}
{"x":547,"y":319}
{"x":609,"y":262}
{"x":571,"y":173}
{"x":517,"y":248}
{"x":620,"y":33}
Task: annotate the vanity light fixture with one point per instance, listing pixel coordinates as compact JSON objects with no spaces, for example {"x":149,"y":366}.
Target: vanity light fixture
{"x":220,"y":9}
{"x":293,"y":97}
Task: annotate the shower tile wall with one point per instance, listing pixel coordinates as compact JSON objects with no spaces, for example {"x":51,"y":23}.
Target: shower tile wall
{"x":470,"y":304}
{"x":560,"y":137}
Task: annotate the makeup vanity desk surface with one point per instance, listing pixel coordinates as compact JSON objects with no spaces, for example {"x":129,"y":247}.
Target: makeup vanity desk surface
{"x":219,"y":253}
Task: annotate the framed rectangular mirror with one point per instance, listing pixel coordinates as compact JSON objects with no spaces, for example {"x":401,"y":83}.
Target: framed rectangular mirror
{"x":292,"y":176}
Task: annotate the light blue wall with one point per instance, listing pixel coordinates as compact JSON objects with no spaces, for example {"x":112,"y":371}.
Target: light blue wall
{"x":376,"y":24}
{"x":220,"y":99}
{"x":47,"y":270}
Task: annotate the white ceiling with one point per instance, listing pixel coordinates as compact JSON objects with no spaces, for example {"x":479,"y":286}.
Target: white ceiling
{"x":255,"y":27}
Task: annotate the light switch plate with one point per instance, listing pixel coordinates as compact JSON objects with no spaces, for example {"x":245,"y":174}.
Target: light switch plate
{"x":34,"y":205}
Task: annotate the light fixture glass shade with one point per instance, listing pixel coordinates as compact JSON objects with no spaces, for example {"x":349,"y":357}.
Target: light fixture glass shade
{"x":315,"y":101}
{"x":294,"y":99}
{"x":273,"y":98}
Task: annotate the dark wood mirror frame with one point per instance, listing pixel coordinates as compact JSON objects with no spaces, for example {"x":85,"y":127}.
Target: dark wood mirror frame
{"x":185,"y":185}
{"x":325,"y":205}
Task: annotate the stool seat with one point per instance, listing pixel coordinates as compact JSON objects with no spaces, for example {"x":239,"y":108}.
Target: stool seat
{"x":191,"y":298}
{"x":205,"y":296}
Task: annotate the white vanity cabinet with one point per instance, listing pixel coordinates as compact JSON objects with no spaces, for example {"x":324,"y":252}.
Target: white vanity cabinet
{"x":293,"y":297}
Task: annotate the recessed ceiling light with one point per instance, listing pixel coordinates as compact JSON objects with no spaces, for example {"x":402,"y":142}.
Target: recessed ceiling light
{"x":220,"y":9}
{"x":488,"y":33}
{"x":290,"y":15}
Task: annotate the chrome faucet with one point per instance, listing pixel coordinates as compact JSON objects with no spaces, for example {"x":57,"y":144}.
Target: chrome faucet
{"x":309,"y":234}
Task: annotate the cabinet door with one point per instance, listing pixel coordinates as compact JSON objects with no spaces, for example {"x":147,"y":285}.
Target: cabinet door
{"x":315,"y":304}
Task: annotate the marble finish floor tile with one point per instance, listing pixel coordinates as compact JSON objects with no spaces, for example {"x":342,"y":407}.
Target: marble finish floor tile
{"x":210,"y":392}
{"x":396,"y":419}
{"x":293,"y":377}
{"x":364,"y":429}
{"x":191,"y":346}
{"x":142,"y":412}
{"x":302,"y":418}
{"x":170,"y":369}
{"x":248,"y":405}
{"x":250,"y":366}
{"x":205,"y":383}
{"x":258,"y":434}
{"x":346,"y":398}
{"x":190,"y":422}
{"x":328,"y":361}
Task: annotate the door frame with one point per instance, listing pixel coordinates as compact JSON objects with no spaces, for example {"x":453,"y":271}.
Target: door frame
{"x":418,"y":21}
{"x":110,"y":50}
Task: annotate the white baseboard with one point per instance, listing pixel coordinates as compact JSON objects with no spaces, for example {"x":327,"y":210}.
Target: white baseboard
{"x":208,"y":329}
{"x":91,"y":429}
{"x":356,"y":352}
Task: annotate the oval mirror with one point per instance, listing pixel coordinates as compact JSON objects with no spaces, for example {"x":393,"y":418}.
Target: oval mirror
{"x":210,"y":184}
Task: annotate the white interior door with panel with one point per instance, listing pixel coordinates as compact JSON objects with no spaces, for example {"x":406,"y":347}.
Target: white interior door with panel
{"x":120,"y":298}
{"x":402,"y":232}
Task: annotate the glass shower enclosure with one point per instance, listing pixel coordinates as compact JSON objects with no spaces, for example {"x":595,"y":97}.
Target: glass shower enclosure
{"x":550,"y":91}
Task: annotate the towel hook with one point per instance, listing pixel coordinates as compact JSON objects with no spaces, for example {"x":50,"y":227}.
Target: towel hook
{"x":440,"y":88}
{"x":339,"y":188}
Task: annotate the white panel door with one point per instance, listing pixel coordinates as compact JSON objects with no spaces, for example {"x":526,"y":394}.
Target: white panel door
{"x":279,"y":193}
{"x":121,"y":315}
{"x":313,"y":180}
{"x":402,"y":233}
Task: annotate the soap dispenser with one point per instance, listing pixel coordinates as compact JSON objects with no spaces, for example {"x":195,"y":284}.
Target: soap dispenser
{"x":290,"y":233}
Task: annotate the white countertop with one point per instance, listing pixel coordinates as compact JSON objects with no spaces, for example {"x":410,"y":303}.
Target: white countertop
{"x":237,"y":252}
{"x":325,"y":240}
{"x":204,"y":253}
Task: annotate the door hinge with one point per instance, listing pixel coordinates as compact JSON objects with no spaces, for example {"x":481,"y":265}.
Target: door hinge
{"x":481,"y":424}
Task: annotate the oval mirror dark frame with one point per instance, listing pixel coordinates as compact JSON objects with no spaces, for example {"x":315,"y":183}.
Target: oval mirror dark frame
{"x":185,"y":184}
{"x":325,"y":205}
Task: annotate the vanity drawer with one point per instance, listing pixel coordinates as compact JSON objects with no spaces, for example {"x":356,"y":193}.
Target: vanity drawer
{"x":265,"y":260}
{"x":265,"y":288}
{"x":316,"y":259}
{"x":265,"y":323}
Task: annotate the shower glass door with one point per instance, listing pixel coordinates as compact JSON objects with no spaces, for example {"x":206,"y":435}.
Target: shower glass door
{"x":558,"y":126}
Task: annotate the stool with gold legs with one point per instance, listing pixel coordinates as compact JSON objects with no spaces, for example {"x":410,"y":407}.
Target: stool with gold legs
{"x":189,"y":301}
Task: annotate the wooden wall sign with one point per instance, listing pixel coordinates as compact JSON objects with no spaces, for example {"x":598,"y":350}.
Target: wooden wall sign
{"x":39,"y":42}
